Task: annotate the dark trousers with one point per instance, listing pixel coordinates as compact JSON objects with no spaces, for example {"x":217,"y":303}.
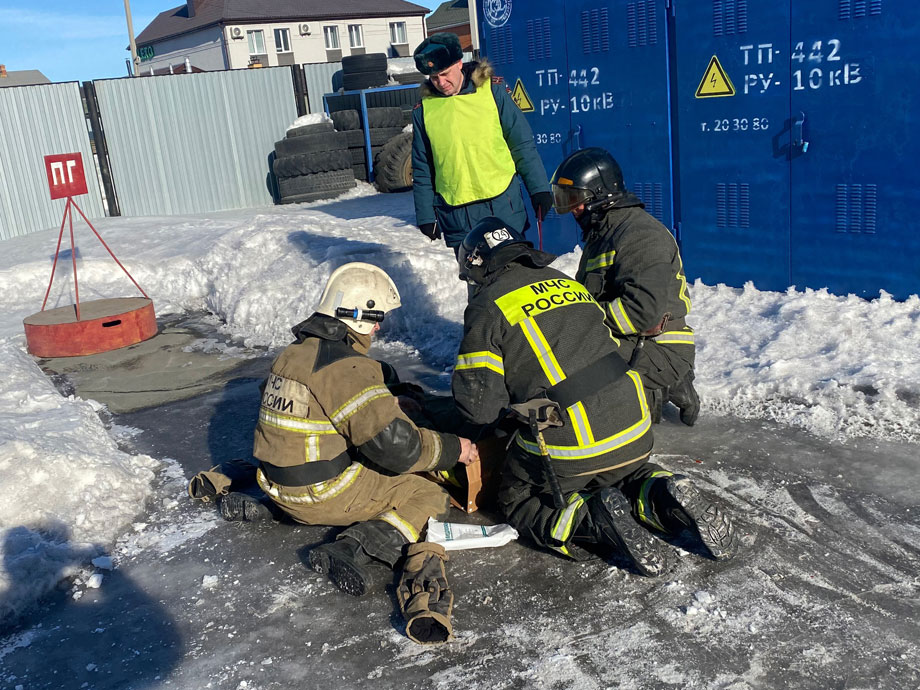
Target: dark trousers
{"x":526,"y":500}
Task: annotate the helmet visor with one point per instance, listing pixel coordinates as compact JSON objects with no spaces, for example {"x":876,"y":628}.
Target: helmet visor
{"x":566,"y":198}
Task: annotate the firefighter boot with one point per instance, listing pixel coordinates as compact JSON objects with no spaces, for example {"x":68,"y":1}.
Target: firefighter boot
{"x":362,"y":558}
{"x":348,"y":565}
{"x":671,"y":503}
{"x":684,"y":395}
{"x":239,"y":507}
{"x":609,"y":521}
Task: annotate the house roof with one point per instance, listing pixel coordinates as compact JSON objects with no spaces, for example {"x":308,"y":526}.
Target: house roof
{"x":24,"y":77}
{"x":176,"y":21}
{"x":451,"y":13}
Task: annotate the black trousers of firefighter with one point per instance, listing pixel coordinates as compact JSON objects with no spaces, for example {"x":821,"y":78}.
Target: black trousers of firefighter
{"x":526,"y":500}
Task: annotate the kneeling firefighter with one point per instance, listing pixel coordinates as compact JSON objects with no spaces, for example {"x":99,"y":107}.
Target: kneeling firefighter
{"x":334,"y":446}
{"x":578,"y":471}
{"x":632,"y":266}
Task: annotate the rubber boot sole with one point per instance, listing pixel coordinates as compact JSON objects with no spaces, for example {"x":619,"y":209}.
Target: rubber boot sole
{"x":631,"y":539}
{"x":344,"y":574}
{"x":703,"y":517}
{"x":239,"y":507}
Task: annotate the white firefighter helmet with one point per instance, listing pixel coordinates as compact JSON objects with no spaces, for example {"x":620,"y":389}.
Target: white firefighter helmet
{"x":359,"y":295}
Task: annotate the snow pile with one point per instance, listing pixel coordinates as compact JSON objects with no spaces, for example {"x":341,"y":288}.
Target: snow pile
{"x":840,"y":367}
{"x":66,"y":488}
{"x":311,"y":119}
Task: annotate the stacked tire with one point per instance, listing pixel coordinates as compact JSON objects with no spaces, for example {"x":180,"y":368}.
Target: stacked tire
{"x":383,"y":125}
{"x":393,"y":164}
{"x":364,"y":71}
{"x":409,"y":77}
{"x":311,"y":163}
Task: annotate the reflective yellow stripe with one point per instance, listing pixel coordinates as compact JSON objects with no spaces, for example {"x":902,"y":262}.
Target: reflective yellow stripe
{"x":542,"y":350}
{"x":683,"y":293}
{"x":643,"y":505}
{"x":319,"y":492}
{"x":580,"y":423}
{"x":312,"y":448}
{"x":562,"y":530}
{"x":618,"y":313}
{"x":484,"y":360}
{"x":357,"y":402}
{"x":676,"y":338}
{"x":606,"y":445}
{"x":539,"y":298}
{"x":298,"y":424}
{"x":404,"y":528}
{"x":600,"y":261}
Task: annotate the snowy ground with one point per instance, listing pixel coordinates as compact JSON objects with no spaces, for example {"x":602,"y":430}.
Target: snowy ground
{"x":842,"y":369}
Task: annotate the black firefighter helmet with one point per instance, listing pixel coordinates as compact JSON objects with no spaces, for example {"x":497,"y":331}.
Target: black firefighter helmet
{"x":481,"y":243}
{"x":588,"y":176}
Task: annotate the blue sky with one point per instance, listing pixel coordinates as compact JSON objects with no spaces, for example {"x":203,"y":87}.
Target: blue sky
{"x":78,"y":41}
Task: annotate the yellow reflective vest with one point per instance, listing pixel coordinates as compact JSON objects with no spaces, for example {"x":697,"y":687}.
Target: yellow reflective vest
{"x":471,"y":159}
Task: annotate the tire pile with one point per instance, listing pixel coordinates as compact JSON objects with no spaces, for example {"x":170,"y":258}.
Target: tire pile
{"x":312,"y":162}
{"x":364,"y":71}
{"x":383,"y":124}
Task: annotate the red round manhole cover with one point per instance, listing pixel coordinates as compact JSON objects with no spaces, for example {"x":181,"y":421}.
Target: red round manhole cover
{"x":104,"y":325}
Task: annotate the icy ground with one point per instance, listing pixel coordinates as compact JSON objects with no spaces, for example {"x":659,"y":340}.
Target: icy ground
{"x":825,"y":594}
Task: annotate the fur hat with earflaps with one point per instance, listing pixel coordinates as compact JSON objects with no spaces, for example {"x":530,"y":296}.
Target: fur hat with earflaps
{"x":437,"y":52}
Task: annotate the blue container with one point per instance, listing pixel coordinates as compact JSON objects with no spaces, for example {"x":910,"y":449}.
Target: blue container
{"x":775,"y":137}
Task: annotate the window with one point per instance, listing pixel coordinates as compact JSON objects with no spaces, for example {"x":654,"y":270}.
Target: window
{"x":398,"y":33}
{"x":355,"y":36}
{"x":256,"y":42}
{"x":283,"y":40}
{"x":331,"y":34}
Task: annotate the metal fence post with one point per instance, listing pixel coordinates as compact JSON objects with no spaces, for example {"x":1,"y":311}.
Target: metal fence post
{"x":102,"y":151}
{"x":300,"y":89}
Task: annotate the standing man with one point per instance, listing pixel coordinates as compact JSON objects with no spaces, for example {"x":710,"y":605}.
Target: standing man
{"x":470,"y":143}
{"x":578,"y":472}
{"x":334,"y":446}
{"x":632,"y":267}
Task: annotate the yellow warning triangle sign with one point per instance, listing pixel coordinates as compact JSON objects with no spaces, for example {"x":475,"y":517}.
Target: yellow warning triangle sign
{"x":715,"y":82}
{"x":519,"y":96}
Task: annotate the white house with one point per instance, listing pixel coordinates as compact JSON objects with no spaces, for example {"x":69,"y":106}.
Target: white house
{"x":234,"y":34}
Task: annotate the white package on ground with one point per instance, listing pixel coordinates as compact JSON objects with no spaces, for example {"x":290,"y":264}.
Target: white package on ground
{"x":454,"y":536}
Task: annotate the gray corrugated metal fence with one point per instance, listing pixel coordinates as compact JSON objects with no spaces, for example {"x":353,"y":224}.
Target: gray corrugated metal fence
{"x":38,"y":121}
{"x":320,"y":79}
{"x":192,"y":143}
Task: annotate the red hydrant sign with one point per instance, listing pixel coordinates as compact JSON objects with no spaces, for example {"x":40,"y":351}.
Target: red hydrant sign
{"x":65,"y":175}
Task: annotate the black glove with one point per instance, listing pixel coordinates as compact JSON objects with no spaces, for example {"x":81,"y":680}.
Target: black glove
{"x":542,"y":204}
{"x":430,"y":230}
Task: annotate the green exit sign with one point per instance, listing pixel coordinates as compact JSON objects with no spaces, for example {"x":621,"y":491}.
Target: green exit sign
{"x":146,"y":53}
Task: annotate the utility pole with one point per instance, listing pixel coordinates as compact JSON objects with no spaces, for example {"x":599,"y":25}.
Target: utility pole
{"x":135,"y":62}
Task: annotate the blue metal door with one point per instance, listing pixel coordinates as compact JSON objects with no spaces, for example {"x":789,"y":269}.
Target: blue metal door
{"x":595,"y":74}
{"x":735,"y":137}
{"x":619,"y":91}
{"x":855,"y":73}
{"x":526,"y":45}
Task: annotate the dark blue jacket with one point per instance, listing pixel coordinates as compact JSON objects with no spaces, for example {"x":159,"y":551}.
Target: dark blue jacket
{"x":456,"y":221}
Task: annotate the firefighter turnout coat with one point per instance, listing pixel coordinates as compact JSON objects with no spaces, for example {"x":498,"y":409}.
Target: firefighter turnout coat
{"x":333,"y":445}
{"x":528,"y":330}
{"x":632,"y":267}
